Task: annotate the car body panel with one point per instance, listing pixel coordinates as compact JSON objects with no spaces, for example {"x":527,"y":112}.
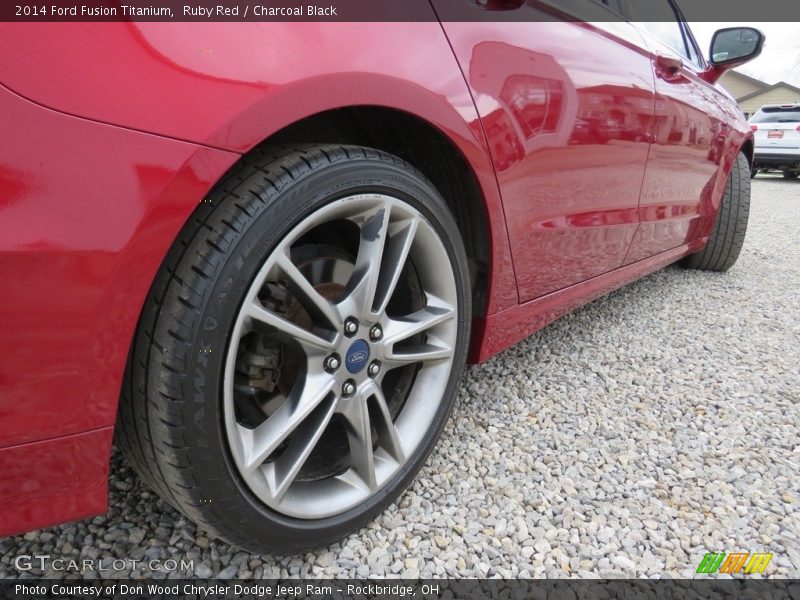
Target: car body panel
{"x":697,"y":132}
{"x":120,"y":131}
{"x":48,"y":482}
{"x":569,"y":134}
{"x":227,"y":89}
{"x":232,"y":85}
{"x":78,"y":255}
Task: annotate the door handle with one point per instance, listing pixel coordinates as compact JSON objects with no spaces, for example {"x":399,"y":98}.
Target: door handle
{"x":668,"y":67}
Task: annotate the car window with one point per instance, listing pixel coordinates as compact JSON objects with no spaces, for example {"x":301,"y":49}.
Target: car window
{"x":669,"y":33}
{"x":694,"y":54}
{"x":658,"y":18}
{"x":777,"y":115}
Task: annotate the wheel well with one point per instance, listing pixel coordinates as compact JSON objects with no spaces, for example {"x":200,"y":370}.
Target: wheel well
{"x":426,"y":148}
{"x":747,"y":148}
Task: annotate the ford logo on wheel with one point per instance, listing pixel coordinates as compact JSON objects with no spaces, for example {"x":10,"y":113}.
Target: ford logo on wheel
{"x":357,"y":356}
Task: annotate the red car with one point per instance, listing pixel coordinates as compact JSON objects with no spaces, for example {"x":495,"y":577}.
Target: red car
{"x":260,"y":254}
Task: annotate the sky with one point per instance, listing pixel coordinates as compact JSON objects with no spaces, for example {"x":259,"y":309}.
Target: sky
{"x":780,"y":59}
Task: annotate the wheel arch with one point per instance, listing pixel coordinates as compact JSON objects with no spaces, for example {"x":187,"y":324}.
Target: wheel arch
{"x":429,"y":150}
{"x":748,"y":148}
{"x":425,"y":116}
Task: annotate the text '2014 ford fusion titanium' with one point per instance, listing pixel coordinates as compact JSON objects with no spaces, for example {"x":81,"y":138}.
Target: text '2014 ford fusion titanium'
{"x":273,"y":256}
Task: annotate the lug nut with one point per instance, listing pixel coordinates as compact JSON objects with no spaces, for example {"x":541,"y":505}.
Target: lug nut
{"x":374,"y":368}
{"x":350,"y":326}
{"x":375,"y":333}
{"x":332,"y":363}
{"x":349,"y":387}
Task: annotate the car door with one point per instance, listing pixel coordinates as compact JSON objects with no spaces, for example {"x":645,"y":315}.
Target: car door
{"x":689,"y":138}
{"x":567,"y":110}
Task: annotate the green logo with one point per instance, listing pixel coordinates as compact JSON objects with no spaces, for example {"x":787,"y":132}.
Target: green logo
{"x":734,"y":562}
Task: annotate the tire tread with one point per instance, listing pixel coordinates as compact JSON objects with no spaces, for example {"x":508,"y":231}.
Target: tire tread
{"x":150,"y":430}
{"x":727,"y":238}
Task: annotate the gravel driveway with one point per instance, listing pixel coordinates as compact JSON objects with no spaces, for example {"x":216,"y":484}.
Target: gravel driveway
{"x":626,"y":439}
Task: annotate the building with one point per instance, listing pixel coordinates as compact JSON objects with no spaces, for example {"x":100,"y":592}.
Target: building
{"x":752,"y":94}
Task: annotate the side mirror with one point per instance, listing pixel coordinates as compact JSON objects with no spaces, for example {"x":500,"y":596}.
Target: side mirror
{"x":735,"y":45}
{"x":730,"y":48}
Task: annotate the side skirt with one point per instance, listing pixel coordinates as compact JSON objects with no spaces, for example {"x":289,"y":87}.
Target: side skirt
{"x":501,"y":330}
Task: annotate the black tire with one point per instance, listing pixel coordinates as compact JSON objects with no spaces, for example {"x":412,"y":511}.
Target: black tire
{"x":791,"y":174}
{"x":727,"y":237}
{"x":170,"y":422}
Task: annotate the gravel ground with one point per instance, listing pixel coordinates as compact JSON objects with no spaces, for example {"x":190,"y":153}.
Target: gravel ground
{"x":626,"y":439}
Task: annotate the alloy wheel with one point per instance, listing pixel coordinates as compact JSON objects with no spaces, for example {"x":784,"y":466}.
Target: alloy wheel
{"x":340,"y":356}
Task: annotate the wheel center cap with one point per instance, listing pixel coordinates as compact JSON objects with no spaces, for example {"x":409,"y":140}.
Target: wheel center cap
{"x":357,"y":356}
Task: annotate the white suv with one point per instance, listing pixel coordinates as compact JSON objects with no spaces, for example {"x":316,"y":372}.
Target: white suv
{"x":777,"y":136}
